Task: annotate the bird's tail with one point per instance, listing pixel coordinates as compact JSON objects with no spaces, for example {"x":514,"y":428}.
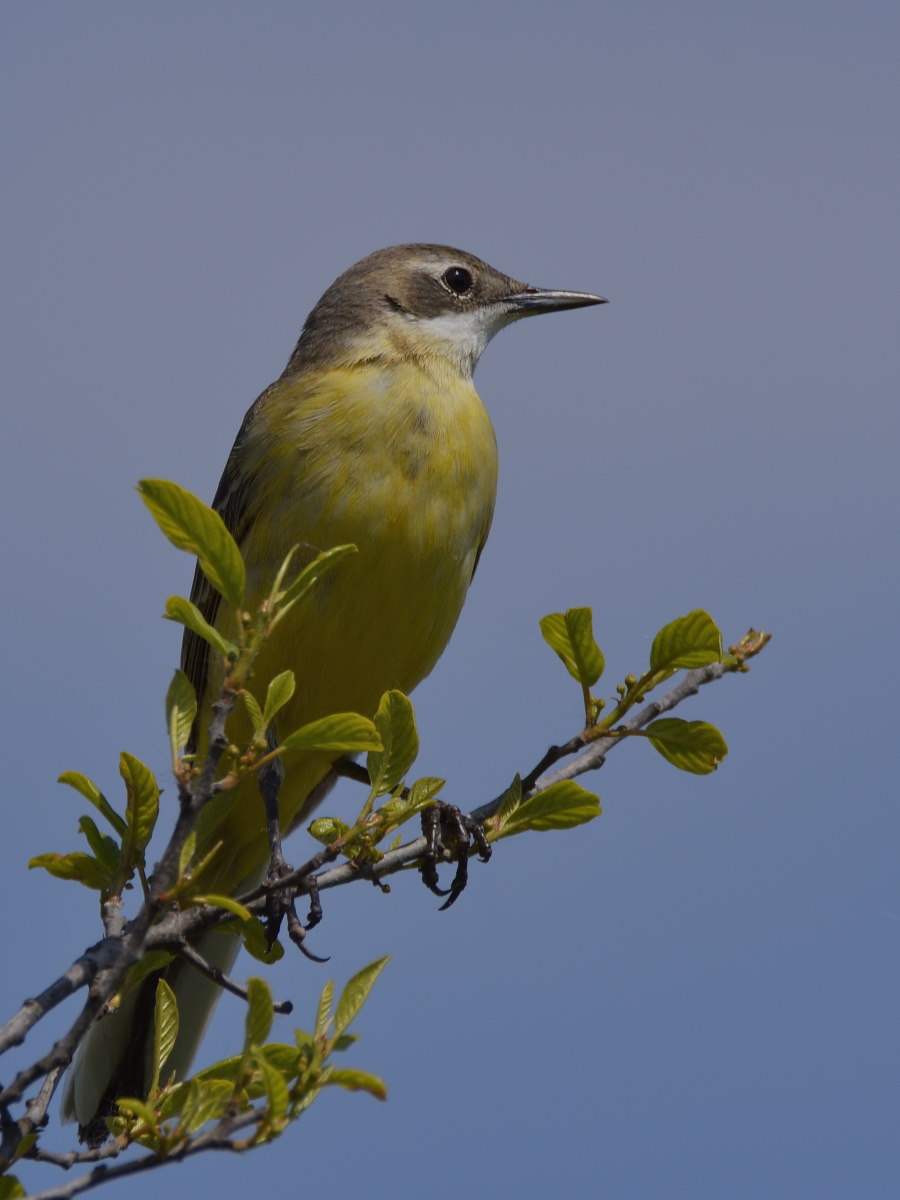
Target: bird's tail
{"x":114,"y":1059}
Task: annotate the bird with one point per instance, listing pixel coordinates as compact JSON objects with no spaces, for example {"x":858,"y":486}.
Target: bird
{"x":372,"y":435}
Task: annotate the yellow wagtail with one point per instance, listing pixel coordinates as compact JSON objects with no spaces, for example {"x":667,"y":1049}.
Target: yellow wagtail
{"x":374,"y":434}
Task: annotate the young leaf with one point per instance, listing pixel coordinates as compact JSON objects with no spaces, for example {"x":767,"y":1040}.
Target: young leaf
{"x":142,"y":805}
{"x":92,"y":793}
{"x":256,"y":713}
{"x":355,"y":993}
{"x":139,"y":1110}
{"x":187,"y":614}
{"x":104,"y":847}
{"x":275,"y":1087}
{"x":321,"y":565}
{"x":279,"y":692}
{"x":165,"y":1028}
{"x":10,"y":1188}
{"x":561,"y":806}
{"x":396,"y":725}
{"x":357,"y":1081}
{"x":283,"y":1058}
{"x":570,"y":634}
{"x":686,"y":643}
{"x":83,"y":868}
{"x":227,"y":1069}
{"x":23,"y":1148}
{"x":343,"y":1042}
{"x":228,"y":903}
{"x":341,"y":733}
{"x":181,"y":709}
{"x":510,"y":800}
{"x":328,"y":829}
{"x":253,"y":934}
{"x":149,"y":964}
{"x":694,"y":746}
{"x":201,"y":1102}
{"x":323,"y":1016}
{"x":190,"y":525}
{"x":423,"y":792}
{"x":187,"y":853}
{"x":259,"y":1012}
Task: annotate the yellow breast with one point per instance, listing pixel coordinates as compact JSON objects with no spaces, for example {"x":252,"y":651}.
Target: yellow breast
{"x":400,"y":461}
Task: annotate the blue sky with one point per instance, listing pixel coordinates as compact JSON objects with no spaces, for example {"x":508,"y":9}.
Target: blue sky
{"x":696,"y":995}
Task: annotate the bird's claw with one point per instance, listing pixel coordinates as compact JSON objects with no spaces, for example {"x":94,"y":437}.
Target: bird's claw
{"x":448,"y":831}
{"x":281,"y":908}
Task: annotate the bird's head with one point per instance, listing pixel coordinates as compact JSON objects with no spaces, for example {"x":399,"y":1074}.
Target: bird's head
{"x":422,"y":301}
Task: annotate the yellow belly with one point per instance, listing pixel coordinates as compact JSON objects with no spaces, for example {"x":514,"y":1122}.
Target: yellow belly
{"x":403,"y":464}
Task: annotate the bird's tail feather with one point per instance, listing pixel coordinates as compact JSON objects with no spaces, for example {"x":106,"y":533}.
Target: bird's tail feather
{"x":115,"y":1057}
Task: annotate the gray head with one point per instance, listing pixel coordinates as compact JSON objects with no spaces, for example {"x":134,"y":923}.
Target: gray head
{"x":419,"y":301}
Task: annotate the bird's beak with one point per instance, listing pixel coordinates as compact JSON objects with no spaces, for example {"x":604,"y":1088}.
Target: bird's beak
{"x":540,"y":300}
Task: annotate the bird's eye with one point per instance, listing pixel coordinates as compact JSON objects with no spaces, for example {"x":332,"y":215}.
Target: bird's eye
{"x":458,"y":280}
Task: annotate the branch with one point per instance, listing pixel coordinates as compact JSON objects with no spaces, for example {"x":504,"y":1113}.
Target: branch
{"x":102,"y":967}
{"x":189,"y":954}
{"x":594,"y":756}
{"x":217,"y":1138}
{"x":105,"y":965}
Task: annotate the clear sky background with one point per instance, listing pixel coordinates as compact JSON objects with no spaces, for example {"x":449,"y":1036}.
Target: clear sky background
{"x":696,"y":995}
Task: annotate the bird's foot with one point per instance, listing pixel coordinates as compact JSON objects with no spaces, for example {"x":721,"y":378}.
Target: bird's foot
{"x":281,"y":907}
{"x":449,"y":832}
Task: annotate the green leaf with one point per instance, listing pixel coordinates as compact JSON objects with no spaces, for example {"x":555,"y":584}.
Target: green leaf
{"x":510,"y":800}
{"x":213,"y":1100}
{"x":279,"y":692}
{"x":571,"y":635}
{"x":341,"y":733}
{"x":187,"y":614}
{"x":400,"y":807}
{"x":190,"y":525}
{"x":92,"y":793}
{"x":358,"y":1081}
{"x":181,"y":709}
{"x":10,"y":1188}
{"x":328,"y":829}
{"x":187,"y":852}
{"x":323,"y":1015}
{"x":152,"y":961}
{"x":275,"y":1087}
{"x":686,"y":643}
{"x":227,"y":1069}
{"x":423,"y":792}
{"x":104,"y":847}
{"x":259,"y":1012}
{"x":343,"y":1042}
{"x":561,"y":806}
{"x":139,"y":1109}
{"x":199,"y":1102}
{"x":165,"y":1028}
{"x":355,"y":993}
{"x":228,"y":903}
{"x":24,"y":1146}
{"x":141,"y":807}
{"x":83,"y":868}
{"x":256,"y":942}
{"x":311,"y":573}
{"x":694,"y":746}
{"x":283,"y":1058}
{"x":255,"y":712}
{"x":396,"y":725}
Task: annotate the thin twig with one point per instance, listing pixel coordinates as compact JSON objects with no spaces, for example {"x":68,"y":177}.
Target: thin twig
{"x":217,"y":1138}
{"x":189,"y":954}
